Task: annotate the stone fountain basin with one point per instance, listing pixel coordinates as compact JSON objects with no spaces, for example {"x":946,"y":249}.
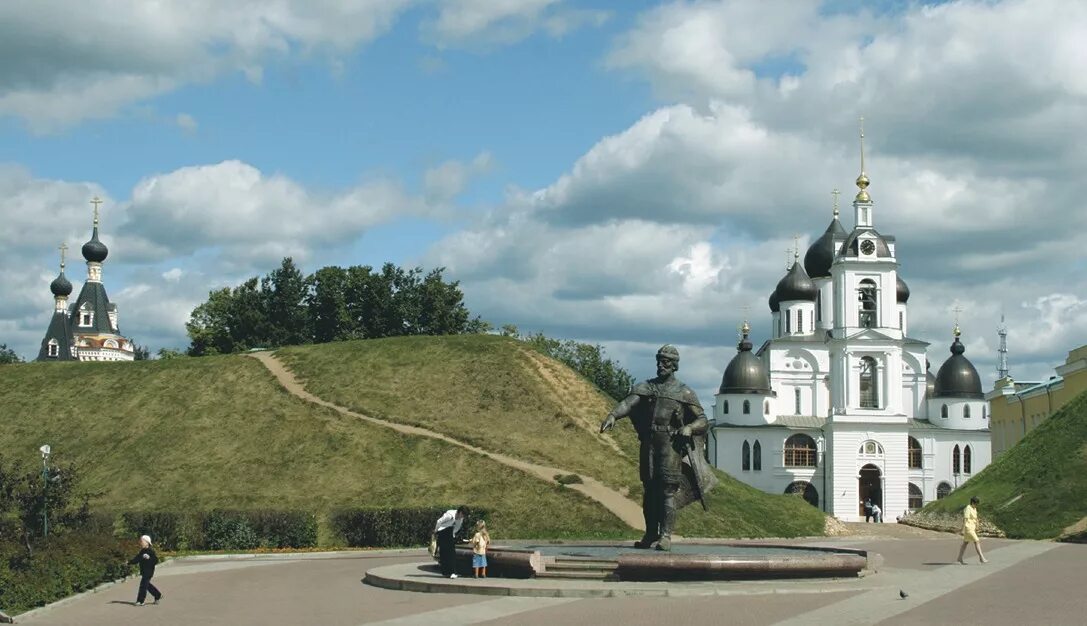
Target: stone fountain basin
{"x":686,"y":561}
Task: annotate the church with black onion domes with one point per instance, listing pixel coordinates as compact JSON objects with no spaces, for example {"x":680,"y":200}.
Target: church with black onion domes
{"x":85,"y":330}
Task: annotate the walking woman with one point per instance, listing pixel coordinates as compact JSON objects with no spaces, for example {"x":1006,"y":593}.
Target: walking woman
{"x":970,"y":530}
{"x":147,"y":559}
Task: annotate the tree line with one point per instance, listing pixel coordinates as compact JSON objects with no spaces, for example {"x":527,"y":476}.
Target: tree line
{"x":332,"y":304}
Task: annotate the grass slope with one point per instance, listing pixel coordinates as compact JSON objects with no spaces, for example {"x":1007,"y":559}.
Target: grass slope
{"x":1039,"y":487}
{"x":497,"y":394}
{"x":219,"y":432}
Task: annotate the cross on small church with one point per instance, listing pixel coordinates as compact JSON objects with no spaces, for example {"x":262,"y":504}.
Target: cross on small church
{"x":96,"y":201}
{"x":63,"y":250}
{"x":740,"y":329}
{"x":835,"y":193}
{"x":957,"y":309}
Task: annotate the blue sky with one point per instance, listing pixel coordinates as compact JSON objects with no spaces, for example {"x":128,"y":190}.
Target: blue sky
{"x":627,"y":173}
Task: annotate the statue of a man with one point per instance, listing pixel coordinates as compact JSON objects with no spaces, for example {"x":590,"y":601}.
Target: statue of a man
{"x":668,"y":419}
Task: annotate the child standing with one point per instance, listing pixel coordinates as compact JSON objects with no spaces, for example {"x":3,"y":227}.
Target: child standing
{"x":480,"y":541}
{"x":147,"y":559}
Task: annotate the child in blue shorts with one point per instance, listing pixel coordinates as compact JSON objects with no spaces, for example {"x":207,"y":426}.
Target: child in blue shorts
{"x":480,"y":541}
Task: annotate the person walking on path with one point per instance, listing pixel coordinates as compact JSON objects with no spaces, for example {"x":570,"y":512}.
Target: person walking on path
{"x":446,"y":528}
{"x":146,"y":559}
{"x":480,"y":541}
{"x":877,"y":513}
{"x":970,"y":530}
{"x":867,"y":510}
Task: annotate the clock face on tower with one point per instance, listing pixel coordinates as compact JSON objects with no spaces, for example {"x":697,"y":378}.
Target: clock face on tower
{"x":867,"y":246}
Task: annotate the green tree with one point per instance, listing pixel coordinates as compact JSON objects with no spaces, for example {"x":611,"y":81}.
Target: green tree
{"x":8,"y":356}
{"x":209,"y":325}
{"x":441,"y":307}
{"x":326,"y":302}
{"x":587,"y":360}
{"x":170,"y":353}
{"x":285,"y":294}
{"x":141,"y":353}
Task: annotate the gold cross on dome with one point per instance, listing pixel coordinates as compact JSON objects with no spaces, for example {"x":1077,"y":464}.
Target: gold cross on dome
{"x":96,"y":201}
{"x":63,"y":249}
{"x":957,"y":309}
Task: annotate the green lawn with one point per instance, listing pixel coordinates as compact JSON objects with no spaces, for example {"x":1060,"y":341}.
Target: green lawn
{"x":739,"y":510}
{"x":219,"y":432}
{"x":1046,"y":471}
{"x":482,"y":389}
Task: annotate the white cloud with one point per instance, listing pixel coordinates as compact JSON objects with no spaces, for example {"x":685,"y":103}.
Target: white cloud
{"x":477,"y":23}
{"x":65,"y":62}
{"x":186,"y":122}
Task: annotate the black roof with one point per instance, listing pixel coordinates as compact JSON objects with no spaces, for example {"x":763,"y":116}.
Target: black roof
{"x":852,"y":243}
{"x":61,"y":332}
{"x":903,"y":291}
{"x":796,"y":285}
{"x":94,"y":250}
{"x":820,"y":256}
{"x":745,"y":372}
{"x":957,"y":377}
{"x":775,"y":304}
{"x":930,"y":382}
{"x":60,"y":285}
{"x":92,"y":298}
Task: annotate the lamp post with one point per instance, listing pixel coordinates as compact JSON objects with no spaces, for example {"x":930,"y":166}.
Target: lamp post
{"x":45,"y":450}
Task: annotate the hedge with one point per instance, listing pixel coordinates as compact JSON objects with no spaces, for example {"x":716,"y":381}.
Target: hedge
{"x":392,"y":527}
{"x":61,"y":565}
{"x":224,"y":529}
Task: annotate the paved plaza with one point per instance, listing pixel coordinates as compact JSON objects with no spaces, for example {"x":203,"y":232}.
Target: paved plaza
{"x":1026,"y":582}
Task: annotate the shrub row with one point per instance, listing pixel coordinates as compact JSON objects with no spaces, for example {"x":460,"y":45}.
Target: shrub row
{"x":224,"y":530}
{"x":392,"y":527}
{"x":59,"y":566}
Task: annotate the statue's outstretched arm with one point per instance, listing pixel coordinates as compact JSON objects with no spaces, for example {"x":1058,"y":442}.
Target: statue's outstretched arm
{"x":621,"y":410}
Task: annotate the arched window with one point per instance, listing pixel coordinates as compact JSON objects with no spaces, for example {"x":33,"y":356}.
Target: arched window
{"x":966,"y":410}
{"x":800,"y":320}
{"x":766,"y":408}
{"x":942,"y":490}
{"x":796,"y":397}
{"x":757,"y":466}
{"x":943,"y":411}
{"x":788,"y":320}
{"x":867,"y":296}
{"x":914,"y":447}
{"x":966,"y":465}
{"x":745,"y":457}
{"x":955,"y":454}
{"x":984,"y":412}
{"x":724,"y":407}
{"x":747,"y":407}
{"x":800,"y":451}
{"x":916,"y":498}
{"x":819,"y":305}
{"x":54,"y":348}
{"x":803,"y":489}
{"x":869,"y":380}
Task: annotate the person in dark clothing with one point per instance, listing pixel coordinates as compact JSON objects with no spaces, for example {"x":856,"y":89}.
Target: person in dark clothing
{"x":146,"y":559}
{"x":868,"y":509}
{"x":446,"y":528}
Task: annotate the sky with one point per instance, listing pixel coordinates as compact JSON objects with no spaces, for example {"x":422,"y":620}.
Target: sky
{"x":627,"y":173}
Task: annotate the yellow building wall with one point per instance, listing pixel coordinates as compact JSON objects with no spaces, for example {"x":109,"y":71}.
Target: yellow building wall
{"x":1015,"y":412}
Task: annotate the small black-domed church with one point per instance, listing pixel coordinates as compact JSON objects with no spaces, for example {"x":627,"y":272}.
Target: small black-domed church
{"x":87,"y":329}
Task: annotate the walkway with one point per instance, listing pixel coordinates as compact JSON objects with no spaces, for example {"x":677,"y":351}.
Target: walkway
{"x":1025,"y":582}
{"x":623,"y":508}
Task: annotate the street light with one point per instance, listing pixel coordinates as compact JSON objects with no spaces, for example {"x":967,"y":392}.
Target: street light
{"x":45,"y":450}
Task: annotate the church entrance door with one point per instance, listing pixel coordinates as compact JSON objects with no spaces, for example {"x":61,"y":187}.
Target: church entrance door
{"x":870,"y":487}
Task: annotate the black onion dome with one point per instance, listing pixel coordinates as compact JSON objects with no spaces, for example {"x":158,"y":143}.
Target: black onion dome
{"x":820,"y":256}
{"x":745,"y":373}
{"x":60,"y":285}
{"x":775,"y":303}
{"x":930,"y":382}
{"x":903,"y":291}
{"x":95,"y":251}
{"x":957,"y":377}
{"x":796,"y":285}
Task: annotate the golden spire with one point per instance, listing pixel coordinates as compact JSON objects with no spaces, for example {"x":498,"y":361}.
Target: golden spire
{"x":63,"y":249}
{"x":862,"y":180}
{"x":956,"y":331}
{"x":835,"y":193}
{"x":96,"y":201}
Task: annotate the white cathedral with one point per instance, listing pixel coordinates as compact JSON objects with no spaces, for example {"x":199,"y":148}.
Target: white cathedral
{"x":838,"y":406}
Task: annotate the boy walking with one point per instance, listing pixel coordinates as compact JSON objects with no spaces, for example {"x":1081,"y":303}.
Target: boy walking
{"x":146,"y":559}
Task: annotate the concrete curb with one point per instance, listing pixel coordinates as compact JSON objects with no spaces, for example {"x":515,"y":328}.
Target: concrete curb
{"x":419,"y":577}
{"x":52,"y":605}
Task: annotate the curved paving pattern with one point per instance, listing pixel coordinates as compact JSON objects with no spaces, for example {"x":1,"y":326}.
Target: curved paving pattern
{"x":622,"y":507}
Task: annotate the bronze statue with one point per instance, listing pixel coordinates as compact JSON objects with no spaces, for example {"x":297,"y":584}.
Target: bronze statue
{"x":671,"y":426}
